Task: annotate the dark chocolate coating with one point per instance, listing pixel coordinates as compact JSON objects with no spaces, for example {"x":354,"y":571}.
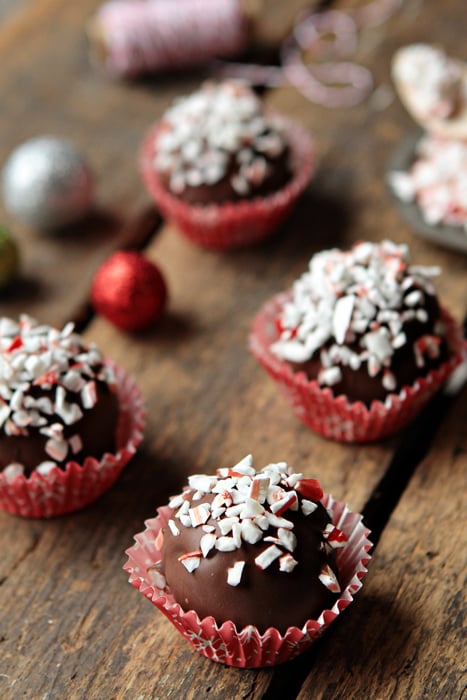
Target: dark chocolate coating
{"x":278,"y":176}
{"x":97,"y":429}
{"x":269,"y":598}
{"x":357,"y":385}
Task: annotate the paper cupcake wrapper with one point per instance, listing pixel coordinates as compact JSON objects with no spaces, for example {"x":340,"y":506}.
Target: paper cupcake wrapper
{"x":65,"y":490}
{"x":248,"y":648}
{"x":335,"y":417}
{"x":234,"y":224}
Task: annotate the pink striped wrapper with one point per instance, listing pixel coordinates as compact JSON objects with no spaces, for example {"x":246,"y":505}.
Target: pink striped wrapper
{"x":335,"y":417}
{"x":248,"y":648}
{"x":233,"y":224}
{"x":65,"y":490}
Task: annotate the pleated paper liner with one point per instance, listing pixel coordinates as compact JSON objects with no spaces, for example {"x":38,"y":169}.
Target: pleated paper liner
{"x":65,"y":490}
{"x":233,"y":224}
{"x":335,"y":417}
{"x":248,"y":648}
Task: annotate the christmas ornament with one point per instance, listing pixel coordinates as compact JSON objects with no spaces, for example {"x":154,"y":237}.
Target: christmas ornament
{"x":47,"y":183}
{"x":129,"y":291}
{"x":9,"y":258}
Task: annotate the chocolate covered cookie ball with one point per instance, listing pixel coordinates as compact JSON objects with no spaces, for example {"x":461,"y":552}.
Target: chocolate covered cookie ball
{"x":218,"y":145}
{"x":58,"y":400}
{"x":254,"y":547}
{"x":363,"y":322}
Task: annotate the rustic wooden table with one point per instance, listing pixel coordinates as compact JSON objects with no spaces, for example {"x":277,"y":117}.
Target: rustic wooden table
{"x":70,"y":625}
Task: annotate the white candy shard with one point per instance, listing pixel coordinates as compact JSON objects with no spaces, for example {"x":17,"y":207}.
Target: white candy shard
{"x":173,"y":528}
{"x":234,"y":573}
{"x":267,"y":556}
{"x":207,"y":543}
{"x":287,"y":563}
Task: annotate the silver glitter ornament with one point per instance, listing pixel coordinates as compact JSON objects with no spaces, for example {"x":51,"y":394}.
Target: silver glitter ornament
{"x":47,"y":183}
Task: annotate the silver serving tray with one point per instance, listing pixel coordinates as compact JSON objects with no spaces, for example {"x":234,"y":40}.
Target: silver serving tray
{"x":449,"y":236}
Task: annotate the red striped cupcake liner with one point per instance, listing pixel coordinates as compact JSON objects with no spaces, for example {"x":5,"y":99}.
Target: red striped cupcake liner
{"x":65,"y":490}
{"x":247,"y":647}
{"x":335,"y":417}
{"x":233,"y":224}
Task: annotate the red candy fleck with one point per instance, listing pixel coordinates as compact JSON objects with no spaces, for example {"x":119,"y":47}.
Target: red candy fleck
{"x":191,"y":555}
{"x":287,"y":502}
{"x":15,"y":344}
{"x":337,"y":538}
{"x":232,"y":472}
{"x":279,"y":326}
{"x":311,"y":489}
{"x":50,"y":377}
{"x":292,"y":332}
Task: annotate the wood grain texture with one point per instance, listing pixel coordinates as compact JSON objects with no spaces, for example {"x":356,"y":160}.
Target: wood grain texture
{"x":70,"y":625}
{"x":404,"y":636}
{"x":66,"y":97}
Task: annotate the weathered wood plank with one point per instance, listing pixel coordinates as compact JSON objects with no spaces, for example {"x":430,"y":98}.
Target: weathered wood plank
{"x":208,"y":403}
{"x":403,"y":637}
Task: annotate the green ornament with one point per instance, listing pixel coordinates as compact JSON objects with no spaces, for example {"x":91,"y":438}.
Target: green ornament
{"x":9,"y":257}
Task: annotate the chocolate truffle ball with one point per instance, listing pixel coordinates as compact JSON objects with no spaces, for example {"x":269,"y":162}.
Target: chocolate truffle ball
{"x":256,"y":548}
{"x":57,"y":398}
{"x":217,"y":145}
{"x":363,"y":322}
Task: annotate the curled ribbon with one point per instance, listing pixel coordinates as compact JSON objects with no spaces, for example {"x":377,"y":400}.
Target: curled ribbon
{"x":159,"y":34}
{"x":328,"y":38}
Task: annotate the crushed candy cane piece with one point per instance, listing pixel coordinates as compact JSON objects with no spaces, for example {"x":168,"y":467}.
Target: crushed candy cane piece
{"x":173,"y":527}
{"x":287,"y":563}
{"x":207,"y":543}
{"x":329,"y":579}
{"x":335,"y":537}
{"x":308,"y":507}
{"x":200,"y":514}
{"x":190,"y":560}
{"x":267,"y":556}
{"x":234,"y":573}
{"x":310,"y":489}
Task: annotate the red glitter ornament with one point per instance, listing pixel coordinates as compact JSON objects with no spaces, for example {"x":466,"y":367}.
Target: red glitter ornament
{"x":129,"y":291}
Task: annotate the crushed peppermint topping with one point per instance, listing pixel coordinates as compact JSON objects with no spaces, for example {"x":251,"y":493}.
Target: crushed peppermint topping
{"x":436,"y":181}
{"x":35,"y":358}
{"x":201,"y":134}
{"x":351,"y":307}
{"x":433,"y":80}
{"x":251,"y":498}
